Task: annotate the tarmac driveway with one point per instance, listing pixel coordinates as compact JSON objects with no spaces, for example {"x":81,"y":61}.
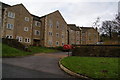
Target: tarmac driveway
{"x":41,"y":65}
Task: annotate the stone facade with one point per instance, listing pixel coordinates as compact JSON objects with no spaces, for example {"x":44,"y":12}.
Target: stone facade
{"x":2,"y":8}
{"x":89,"y":35}
{"x":36,"y":31}
{"x":50,"y":30}
{"x":74,"y":34}
{"x":55,"y":29}
{"x":17,"y":24}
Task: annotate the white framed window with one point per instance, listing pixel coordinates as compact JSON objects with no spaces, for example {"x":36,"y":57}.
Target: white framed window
{"x":57,"y":43}
{"x":50,"y":43}
{"x":26,"y":18}
{"x":63,"y":27}
{"x":37,"y":23}
{"x":37,"y":32}
{"x":11,"y":15}
{"x":77,"y":32}
{"x":50,"y":23}
{"x":71,"y":30}
{"x":57,"y":24}
{"x":26,"y":28}
{"x":57,"y":34}
{"x":19,"y":39}
{"x":9,"y":36}
{"x":62,"y":44}
{"x":27,"y":40}
{"x":50,"y":33}
{"x":10,"y":26}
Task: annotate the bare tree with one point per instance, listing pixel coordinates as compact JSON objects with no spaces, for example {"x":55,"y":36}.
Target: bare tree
{"x":107,"y":28}
{"x":116,"y":24}
{"x":96,"y":23}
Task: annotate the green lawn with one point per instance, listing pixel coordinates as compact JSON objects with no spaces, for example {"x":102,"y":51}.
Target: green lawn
{"x":93,"y":67}
{"x":36,"y":49}
{"x":8,"y":51}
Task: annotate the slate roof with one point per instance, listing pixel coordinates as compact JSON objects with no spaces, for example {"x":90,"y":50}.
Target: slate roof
{"x":73,"y":27}
{"x":4,"y":5}
{"x":36,"y":17}
{"x":52,"y":13}
{"x":88,"y":28}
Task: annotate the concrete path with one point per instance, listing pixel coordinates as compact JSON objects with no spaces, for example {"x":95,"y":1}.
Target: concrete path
{"x":42,"y":65}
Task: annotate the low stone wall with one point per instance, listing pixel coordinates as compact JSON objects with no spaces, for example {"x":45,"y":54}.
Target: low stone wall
{"x":97,"y":50}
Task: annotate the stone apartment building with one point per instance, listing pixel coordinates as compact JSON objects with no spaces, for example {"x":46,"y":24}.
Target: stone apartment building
{"x":55,"y":29}
{"x":89,"y":35}
{"x":36,"y":31}
{"x":2,"y":8}
{"x":17,"y":24}
{"x":74,"y":34}
{"x":50,"y":30}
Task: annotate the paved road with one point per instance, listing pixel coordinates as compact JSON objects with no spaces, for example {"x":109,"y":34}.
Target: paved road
{"x":35,"y":66}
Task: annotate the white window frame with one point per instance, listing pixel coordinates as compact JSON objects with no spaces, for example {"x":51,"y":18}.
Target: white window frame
{"x":77,"y":32}
{"x":37,"y":23}
{"x":50,"y":33}
{"x":36,"y":32}
{"x":26,"y":28}
{"x":50,"y":23}
{"x":57,"y":34}
{"x":57,"y":24}
{"x":28,"y":40}
{"x":11,"y":14}
{"x":9,"y":36}
{"x":71,"y":30}
{"x":10,"y":26}
{"x":19,"y":38}
{"x":26,"y":18}
{"x":62,"y":43}
{"x":57,"y":42}
{"x":50,"y":43}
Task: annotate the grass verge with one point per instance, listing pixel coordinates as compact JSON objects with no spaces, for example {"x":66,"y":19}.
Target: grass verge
{"x":36,"y":49}
{"x":8,"y":51}
{"x":93,"y":67}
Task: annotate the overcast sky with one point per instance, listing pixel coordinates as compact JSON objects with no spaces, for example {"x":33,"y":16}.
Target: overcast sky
{"x":79,"y":12}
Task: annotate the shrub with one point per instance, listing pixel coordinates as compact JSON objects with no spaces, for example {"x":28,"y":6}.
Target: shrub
{"x":15,"y":44}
